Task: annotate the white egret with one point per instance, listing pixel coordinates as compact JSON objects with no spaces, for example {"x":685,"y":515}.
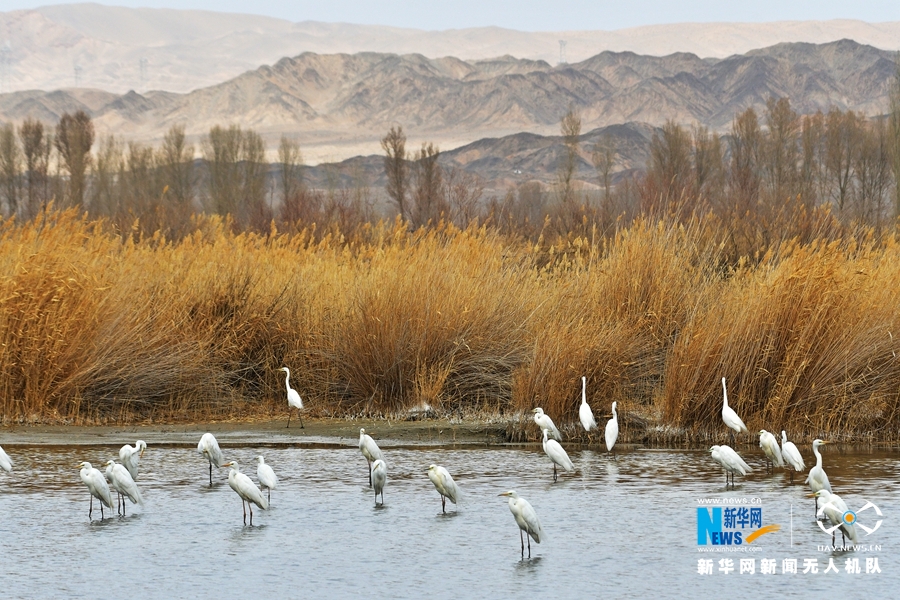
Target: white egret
{"x":5,"y":462}
{"x":444,"y":484}
{"x":836,"y":511}
{"x":817,"y":479}
{"x":246,"y":489}
{"x":209,"y":448}
{"x":545,"y":422}
{"x":97,"y":486}
{"x":293,"y":398}
{"x":730,"y":417}
{"x":526,"y":519}
{"x":370,"y":450}
{"x":266,"y":476}
{"x":131,"y":456}
{"x":612,"y":430}
{"x":584,"y":413}
{"x":557,"y":454}
{"x":730,"y":461}
{"x":379,"y":478}
{"x":769,"y":445}
{"x":791,"y":455}
{"x":122,"y":482}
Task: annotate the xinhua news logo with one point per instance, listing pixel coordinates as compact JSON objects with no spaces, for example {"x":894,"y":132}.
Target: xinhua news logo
{"x":731,"y":525}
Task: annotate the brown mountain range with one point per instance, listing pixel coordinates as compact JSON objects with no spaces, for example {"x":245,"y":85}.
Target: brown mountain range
{"x":339,"y":105}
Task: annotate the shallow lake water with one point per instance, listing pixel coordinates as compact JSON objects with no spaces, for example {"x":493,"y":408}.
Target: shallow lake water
{"x":615,"y":528}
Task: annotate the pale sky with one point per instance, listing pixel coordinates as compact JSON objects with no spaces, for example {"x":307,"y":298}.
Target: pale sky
{"x":527,"y":15}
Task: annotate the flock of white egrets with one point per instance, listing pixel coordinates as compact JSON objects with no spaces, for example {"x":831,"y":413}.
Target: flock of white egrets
{"x":122,"y":477}
{"x":834,"y":508}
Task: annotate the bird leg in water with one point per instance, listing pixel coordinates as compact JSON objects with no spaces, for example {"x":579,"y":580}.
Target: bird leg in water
{"x":250,"y":506}
{"x":289,"y":418}
{"x":91,"y":509}
{"x":443,"y":504}
{"x":370,"y":472}
{"x":299,"y":416}
{"x":528,"y":537}
{"x":522,"y":541}
{"x":244,"y":508}
{"x":210,"y":474}
{"x":554,"y":472}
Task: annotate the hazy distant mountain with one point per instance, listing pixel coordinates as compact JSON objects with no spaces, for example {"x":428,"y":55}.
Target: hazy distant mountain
{"x":340,"y":105}
{"x":118,"y":49}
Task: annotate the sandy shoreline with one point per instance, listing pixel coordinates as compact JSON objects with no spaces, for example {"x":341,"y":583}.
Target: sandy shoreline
{"x":324,"y":432}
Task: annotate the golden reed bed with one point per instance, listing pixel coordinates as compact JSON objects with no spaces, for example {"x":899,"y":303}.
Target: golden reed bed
{"x":473,"y":323}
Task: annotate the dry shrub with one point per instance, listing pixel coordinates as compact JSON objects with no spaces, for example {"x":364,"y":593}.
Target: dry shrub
{"x":805,"y":342}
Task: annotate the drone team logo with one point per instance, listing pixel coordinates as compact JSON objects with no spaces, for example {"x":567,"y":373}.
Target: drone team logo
{"x":852,"y":518}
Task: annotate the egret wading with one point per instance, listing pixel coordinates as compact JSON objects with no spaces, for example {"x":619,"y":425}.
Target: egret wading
{"x":293,"y":398}
{"x":266,"y":476}
{"x":835,"y":510}
{"x":817,"y":479}
{"x":131,"y":457}
{"x":731,"y":418}
{"x":370,"y":451}
{"x":612,"y":431}
{"x":545,"y":422}
{"x":97,"y":486}
{"x":444,"y":484}
{"x":769,"y":445}
{"x":584,"y":412}
{"x":246,"y":489}
{"x":121,"y":481}
{"x":791,"y":455}
{"x":557,"y":455}
{"x":730,"y":461}
{"x":526,"y":519}
{"x":209,"y":448}
{"x":379,"y":478}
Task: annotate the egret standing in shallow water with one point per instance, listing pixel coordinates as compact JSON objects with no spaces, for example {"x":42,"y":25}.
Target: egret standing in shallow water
{"x":444,"y":484}
{"x":584,"y":413}
{"x":545,"y":422}
{"x":817,"y":479}
{"x":731,"y":418}
{"x":770,"y":448}
{"x":730,"y":461}
{"x":5,"y":461}
{"x":293,"y":398}
{"x":612,"y":431}
{"x":835,"y":510}
{"x":526,"y":519}
{"x":97,"y":486}
{"x":246,"y":489}
{"x":121,"y":481}
{"x":791,"y":455}
{"x":209,"y":448}
{"x":266,"y":476}
{"x":557,"y":455}
{"x":379,"y":478}
{"x":131,"y":457}
{"x":370,"y":450}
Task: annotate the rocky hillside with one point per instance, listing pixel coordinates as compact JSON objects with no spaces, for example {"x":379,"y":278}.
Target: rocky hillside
{"x":339,"y":105}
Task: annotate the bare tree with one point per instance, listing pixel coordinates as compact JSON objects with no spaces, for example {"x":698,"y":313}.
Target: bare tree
{"x":463,"y":193}
{"x":570,"y":129}
{"x":428,"y":196}
{"x":36,"y":149}
{"x":396,"y":168}
{"x":746,"y":146}
{"x":176,"y":162}
{"x":670,"y":169}
{"x":842,"y":133}
{"x":107,"y":167}
{"x":780,"y":148}
{"x":74,"y":138}
{"x":893,"y":134}
{"x":10,"y":167}
{"x":709,"y":167}
{"x":290,"y":171}
{"x":604,"y":159}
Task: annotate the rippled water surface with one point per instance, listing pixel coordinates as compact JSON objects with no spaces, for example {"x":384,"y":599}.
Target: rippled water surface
{"x":615,"y":528}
